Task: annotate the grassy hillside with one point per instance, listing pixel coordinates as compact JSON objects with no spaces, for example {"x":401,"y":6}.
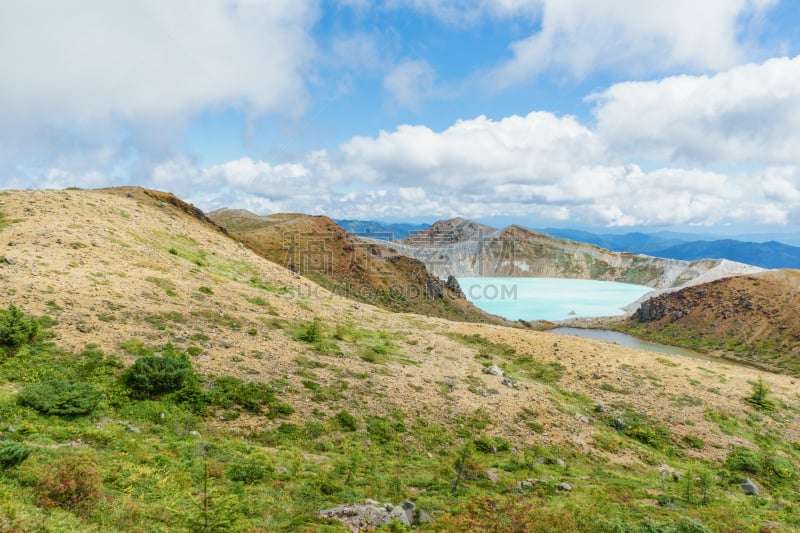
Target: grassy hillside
{"x":753,"y":318}
{"x":155,"y":375}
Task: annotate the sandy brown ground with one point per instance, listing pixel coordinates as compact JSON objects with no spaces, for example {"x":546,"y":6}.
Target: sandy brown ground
{"x":81,"y":256}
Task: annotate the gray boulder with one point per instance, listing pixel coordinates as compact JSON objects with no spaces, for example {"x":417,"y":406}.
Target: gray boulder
{"x":494,"y":370}
{"x":370,"y":514}
{"x":750,"y":488}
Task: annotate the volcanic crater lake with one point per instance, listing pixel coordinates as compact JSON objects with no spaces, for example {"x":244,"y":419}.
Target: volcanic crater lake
{"x":550,"y":298}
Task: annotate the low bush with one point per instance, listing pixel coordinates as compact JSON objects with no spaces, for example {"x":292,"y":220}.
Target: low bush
{"x":60,"y":397}
{"x":745,"y":460}
{"x":150,"y":376}
{"x":72,"y":483}
{"x":16,"y":328}
{"x":228,"y":391}
{"x":12,"y":453}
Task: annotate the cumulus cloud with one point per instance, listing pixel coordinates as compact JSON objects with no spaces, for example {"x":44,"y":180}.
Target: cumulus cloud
{"x":581,"y":36}
{"x":748,"y":114}
{"x":91,"y":63}
{"x":246,"y":183}
{"x":473,"y":153}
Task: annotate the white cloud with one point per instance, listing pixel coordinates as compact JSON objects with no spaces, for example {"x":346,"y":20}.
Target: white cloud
{"x":748,"y":114}
{"x":472,"y":153}
{"x":411,"y":83}
{"x":581,"y":36}
{"x":93,"y":63}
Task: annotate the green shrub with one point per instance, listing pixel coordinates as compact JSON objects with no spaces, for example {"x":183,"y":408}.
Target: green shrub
{"x":229,"y":391}
{"x":152,"y":375}
{"x":17,"y":329}
{"x":760,"y":396}
{"x":60,"y":397}
{"x":346,"y":421}
{"x":251,"y":471}
{"x":745,"y":460}
{"x":72,"y":483}
{"x":487,"y":444}
{"x":12,"y":453}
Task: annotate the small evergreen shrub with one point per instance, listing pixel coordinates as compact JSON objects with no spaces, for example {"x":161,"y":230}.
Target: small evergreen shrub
{"x":17,"y":329}
{"x":346,"y":421}
{"x":60,"y":397}
{"x":229,"y":391}
{"x":150,"y":376}
{"x":745,"y":460}
{"x":251,"y":471}
{"x":12,"y":453}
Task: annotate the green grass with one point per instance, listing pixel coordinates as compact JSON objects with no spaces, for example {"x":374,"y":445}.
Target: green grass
{"x":160,"y":460}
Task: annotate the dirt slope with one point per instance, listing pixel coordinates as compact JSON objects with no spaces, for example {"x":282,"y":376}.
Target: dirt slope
{"x":111,"y":266}
{"x":318,"y":248}
{"x":753,"y":318}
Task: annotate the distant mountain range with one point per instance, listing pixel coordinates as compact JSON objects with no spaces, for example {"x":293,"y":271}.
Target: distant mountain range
{"x":771,"y":254}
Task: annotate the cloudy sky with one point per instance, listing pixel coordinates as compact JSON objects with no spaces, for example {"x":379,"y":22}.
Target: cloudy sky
{"x":554,"y":112}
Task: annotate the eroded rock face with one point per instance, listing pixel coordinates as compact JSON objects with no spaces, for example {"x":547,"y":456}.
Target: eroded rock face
{"x":370,"y":514}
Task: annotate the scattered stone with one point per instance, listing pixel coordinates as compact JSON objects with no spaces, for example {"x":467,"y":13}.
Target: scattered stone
{"x":491,"y":475}
{"x":565,"y":487}
{"x":619,"y":423}
{"x":132,"y":428}
{"x":9,"y":260}
{"x":600,"y":408}
{"x":370,"y":515}
{"x":84,"y":328}
{"x":194,"y":432}
{"x":596,"y":375}
{"x":356,"y":305}
{"x":281,"y":470}
{"x":583,"y":419}
{"x":508,"y":382}
{"x":494,"y":370}
{"x":750,"y":488}
{"x":561,"y":463}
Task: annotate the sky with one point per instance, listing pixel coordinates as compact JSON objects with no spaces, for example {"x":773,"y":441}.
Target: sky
{"x":583,"y":113}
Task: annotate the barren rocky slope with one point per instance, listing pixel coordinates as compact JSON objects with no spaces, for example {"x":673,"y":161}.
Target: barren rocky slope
{"x":318,"y":248}
{"x":750,"y":317}
{"x":447,"y":248}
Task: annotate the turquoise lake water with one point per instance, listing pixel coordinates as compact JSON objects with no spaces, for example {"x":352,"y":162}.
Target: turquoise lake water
{"x":550,"y":298}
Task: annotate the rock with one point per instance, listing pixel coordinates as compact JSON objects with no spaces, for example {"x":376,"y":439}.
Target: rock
{"x":600,"y":408}
{"x":596,"y":375}
{"x":356,"y":305}
{"x":583,"y":419}
{"x":491,"y":475}
{"x":564,"y":487}
{"x":619,"y":424}
{"x":194,"y":432}
{"x":84,"y":328}
{"x":508,"y":382}
{"x":494,"y":370}
{"x":9,"y":260}
{"x":452,"y":284}
{"x":132,"y":428}
{"x":369,"y":515}
{"x":750,"y":488}
{"x":561,"y":463}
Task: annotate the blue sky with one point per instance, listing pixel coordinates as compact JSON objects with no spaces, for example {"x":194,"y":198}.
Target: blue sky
{"x":585,"y":113}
